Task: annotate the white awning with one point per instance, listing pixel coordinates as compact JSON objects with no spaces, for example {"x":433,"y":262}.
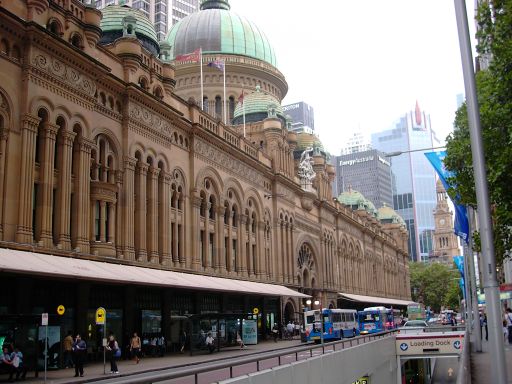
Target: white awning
{"x":375,"y":299}
{"x":74,"y":268}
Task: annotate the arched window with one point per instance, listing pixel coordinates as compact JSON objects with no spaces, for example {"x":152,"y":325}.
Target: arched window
{"x":218,"y":106}
{"x":205,"y":103}
{"x":103,"y":194}
{"x":143,"y":83}
{"x":76,"y":40}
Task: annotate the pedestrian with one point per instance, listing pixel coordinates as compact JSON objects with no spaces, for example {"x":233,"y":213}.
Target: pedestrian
{"x":240,"y":341}
{"x":485,"y":327}
{"x":275,"y":332}
{"x":19,"y":366}
{"x":114,"y":353}
{"x":183,"y":341}
{"x":508,"y":318}
{"x":210,"y":342}
{"x":7,"y":361}
{"x":289,"y":330}
{"x":67,"y":346}
{"x":161,"y":345}
{"x":135,"y":347}
{"x":79,"y":352}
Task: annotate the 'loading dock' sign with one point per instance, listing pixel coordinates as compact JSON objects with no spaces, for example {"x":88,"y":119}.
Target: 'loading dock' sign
{"x":446,"y":343}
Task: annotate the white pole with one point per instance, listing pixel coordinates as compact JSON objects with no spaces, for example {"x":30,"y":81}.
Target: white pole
{"x":243,"y":111}
{"x":224,"y":76}
{"x":201,"y":72}
{"x":498,"y":371}
{"x":45,"y":352}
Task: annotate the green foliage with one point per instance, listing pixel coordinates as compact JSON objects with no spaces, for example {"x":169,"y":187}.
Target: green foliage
{"x":494,"y":87}
{"x":435,"y":285}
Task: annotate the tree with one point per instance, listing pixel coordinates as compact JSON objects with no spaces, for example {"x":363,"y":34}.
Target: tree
{"x":494,"y":88}
{"x":435,"y":285}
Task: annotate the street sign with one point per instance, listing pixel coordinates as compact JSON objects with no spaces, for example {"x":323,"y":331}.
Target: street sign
{"x":255,"y":311}
{"x":61,"y":310}
{"x":101,"y":316}
{"x":431,"y":343}
{"x":44,"y":319}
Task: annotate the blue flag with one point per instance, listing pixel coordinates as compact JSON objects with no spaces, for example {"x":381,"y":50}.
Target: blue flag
{"x":219,"y":64}
{"x":461,"y":217}
{"x":459,"y":262}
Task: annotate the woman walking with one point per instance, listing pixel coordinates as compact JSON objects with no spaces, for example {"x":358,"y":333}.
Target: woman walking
{"x":114,"y":353}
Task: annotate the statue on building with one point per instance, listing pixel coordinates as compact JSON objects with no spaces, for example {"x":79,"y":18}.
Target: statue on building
{"x":306,"y":172}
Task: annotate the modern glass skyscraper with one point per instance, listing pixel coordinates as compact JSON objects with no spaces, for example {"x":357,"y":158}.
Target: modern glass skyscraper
{"x":163,"y":13}
{"x":414,"y":189}
{"x":303,"y":116}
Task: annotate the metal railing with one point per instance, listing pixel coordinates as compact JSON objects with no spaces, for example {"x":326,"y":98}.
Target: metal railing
{"x":257,"y":360}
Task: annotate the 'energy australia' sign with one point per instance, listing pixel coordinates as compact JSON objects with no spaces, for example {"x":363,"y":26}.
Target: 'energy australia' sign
{"x":250,"y":332}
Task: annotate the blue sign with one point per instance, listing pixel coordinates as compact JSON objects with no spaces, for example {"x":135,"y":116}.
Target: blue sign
{"x":404,"y":347}
{"x":250,"y":332}
{"x":461,"y":218}
{"x":457,"y":344}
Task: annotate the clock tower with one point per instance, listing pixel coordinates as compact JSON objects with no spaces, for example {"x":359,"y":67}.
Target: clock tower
{"x":446,"y":244}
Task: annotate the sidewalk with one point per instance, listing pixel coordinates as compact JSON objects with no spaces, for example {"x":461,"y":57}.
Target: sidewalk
{"x":481,"y":363}
{"x":94,"y":371}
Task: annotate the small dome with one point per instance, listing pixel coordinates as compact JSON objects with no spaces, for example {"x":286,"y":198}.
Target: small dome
{"x":122,"y":20}
{"x":257,"y":106}
{"x":356,"y":200}
{"x":388,"y":215}
{"x":217,"y":30}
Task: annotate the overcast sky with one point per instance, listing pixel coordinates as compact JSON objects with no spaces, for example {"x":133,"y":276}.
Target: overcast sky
{"x":363,"y":64}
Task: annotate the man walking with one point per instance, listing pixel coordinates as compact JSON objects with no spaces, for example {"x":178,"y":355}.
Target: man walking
{"x":79,"y":352}
{"x":67,"y":345}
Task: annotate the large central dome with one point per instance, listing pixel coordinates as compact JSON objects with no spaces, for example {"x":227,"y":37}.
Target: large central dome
{"x":216,"y":29}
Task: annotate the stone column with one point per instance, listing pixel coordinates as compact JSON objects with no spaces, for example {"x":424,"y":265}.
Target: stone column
{"x":103,"y":221}
{"x":45,"y":190}
{"x":128,"y":208}
{"x":4,"y":135}
{"x":28,"y":149}
{"x":164,"y":216}
{"x":111,"y":238}
{"x":182,"y":246}
{"x":152,"y":225}
{"x":82,"y":193}
{"x":242,"y":235}
{"x":63,"y":195}
{"x":175,"y":234}
{"x":196,"y":206}
{"x":221,"y":251}
{"x":229,"y":247}
{"x":283,"y":257}
{"x":260,"y":248}
{"x":140,"y":212}
{"x":289,"y":252}
{"x":119,"y":224}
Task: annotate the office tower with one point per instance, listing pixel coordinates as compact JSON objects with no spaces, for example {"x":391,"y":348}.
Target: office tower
{"x":358,"y":142}
{"x":367,"y":172}
{"x":160,"y":12}
{"x":414,"y":189}
{"x":303,"y":117}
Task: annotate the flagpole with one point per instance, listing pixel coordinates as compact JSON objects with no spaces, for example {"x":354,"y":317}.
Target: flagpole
{"x":224,"y":76}
{"x":243,"y":111}
{"x":201,"y":72}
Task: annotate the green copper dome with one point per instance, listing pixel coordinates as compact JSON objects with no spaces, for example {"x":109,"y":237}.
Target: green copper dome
{"x":119,"y":21}
{"x":356,"y":200}
{"x":217,"y":30}
{"x":257,"y":106}
{"x":388,"y":215}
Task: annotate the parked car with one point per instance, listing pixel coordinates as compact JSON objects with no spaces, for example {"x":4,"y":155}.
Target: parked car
{"x":413,"y":326}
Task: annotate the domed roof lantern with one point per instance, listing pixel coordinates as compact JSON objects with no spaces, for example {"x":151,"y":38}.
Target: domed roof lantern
{"x":215,"y":4}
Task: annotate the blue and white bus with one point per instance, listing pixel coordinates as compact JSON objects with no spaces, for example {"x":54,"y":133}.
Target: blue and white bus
{"x":337,"y":324}
{"x":377,"y":319}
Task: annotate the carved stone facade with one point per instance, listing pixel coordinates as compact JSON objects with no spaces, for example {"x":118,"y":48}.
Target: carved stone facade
{"x":97,"y":164}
